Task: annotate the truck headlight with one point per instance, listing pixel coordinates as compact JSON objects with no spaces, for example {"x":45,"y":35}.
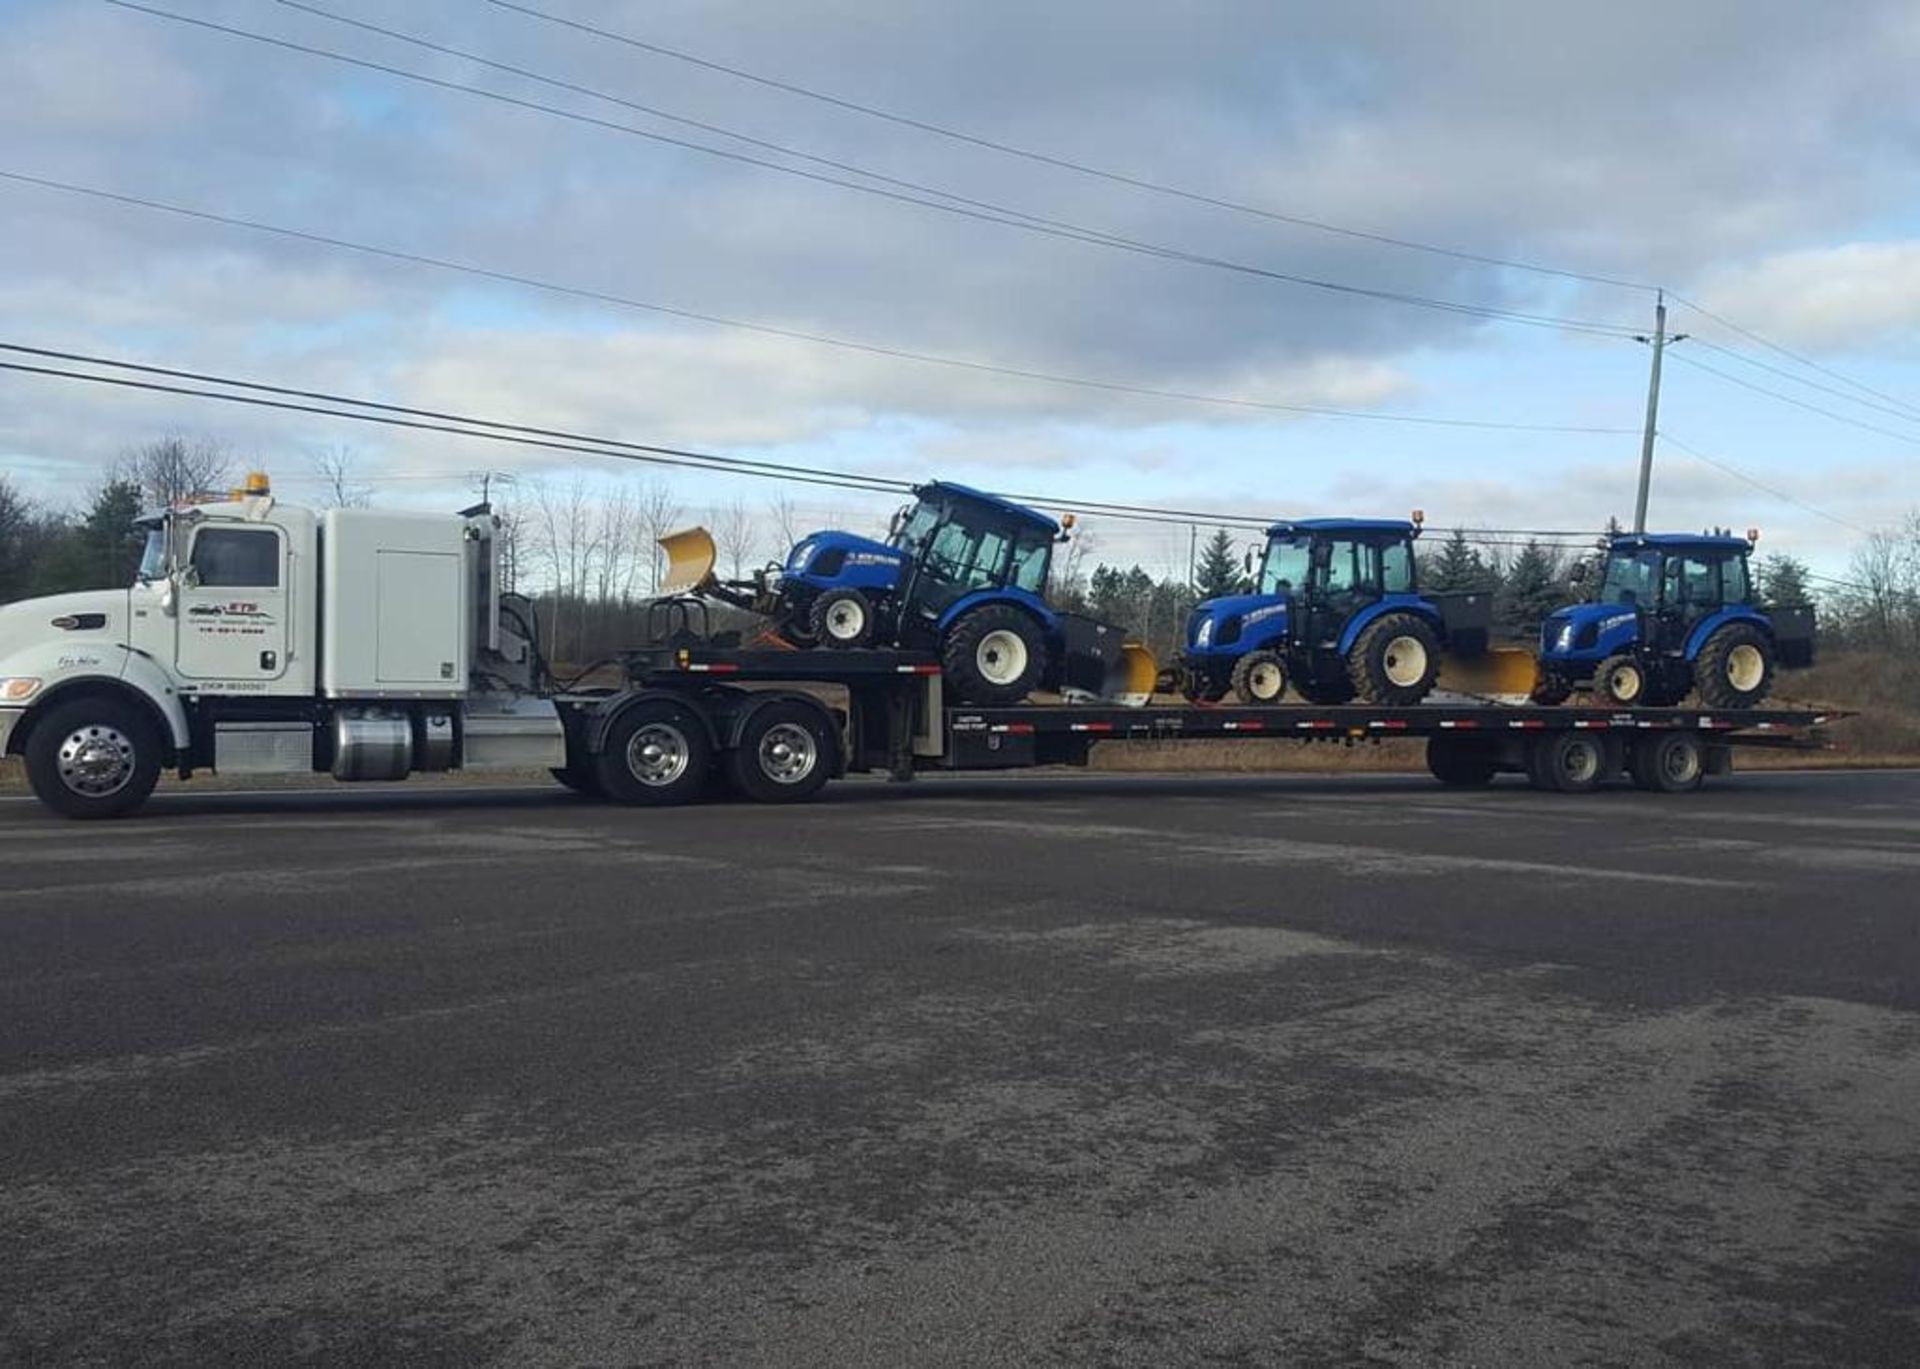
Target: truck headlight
{"x":17,"y":689}
{"x":1205,"y":634}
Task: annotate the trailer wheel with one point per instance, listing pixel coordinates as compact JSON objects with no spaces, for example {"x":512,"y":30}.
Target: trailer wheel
{"x":93,"y":758}
{"x":1667,"y":762}
{"x":784,"y":754}
{"x":1735,"y":668}
{"x":1460,"y":761}
{"x":1395,"y":660}
{"x":994,"y":655}
{"x":1567,"y":762}
{"x":1259,"y":677}
{"x":842,"y":618}
{"x":656,"y":752}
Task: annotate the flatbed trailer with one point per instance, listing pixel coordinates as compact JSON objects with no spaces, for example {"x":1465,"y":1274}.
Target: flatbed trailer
{"x":889,"y":717}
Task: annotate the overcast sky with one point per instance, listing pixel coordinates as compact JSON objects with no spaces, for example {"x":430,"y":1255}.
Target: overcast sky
{"x":1758,"y":158}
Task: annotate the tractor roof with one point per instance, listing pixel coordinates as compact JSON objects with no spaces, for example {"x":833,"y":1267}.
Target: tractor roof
{"x":934,"y":488}
{"x":1337,"y":527}
{"x":1677,"y":541}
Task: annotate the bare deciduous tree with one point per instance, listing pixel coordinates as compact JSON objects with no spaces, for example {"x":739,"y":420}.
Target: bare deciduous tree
{"x":660,"y":513}
{"x":733,"y":535}
{"x":336,"y":467}
{"x":175,"y":467}
{"x":784,"y":516}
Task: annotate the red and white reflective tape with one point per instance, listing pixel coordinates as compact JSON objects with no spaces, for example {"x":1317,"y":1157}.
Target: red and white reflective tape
{"x":1018,"y":729}
{"x":1319,"y":725}
{"x":1458,"y":723}
{"x":1528,"y":724}
{"x":916,"y":670}
{"x":1244,"y":727}
{"x":1092,"y":727}
{"x":1389,"y":724}
{"x":1593,"y":725}
{"x":718,"y":668}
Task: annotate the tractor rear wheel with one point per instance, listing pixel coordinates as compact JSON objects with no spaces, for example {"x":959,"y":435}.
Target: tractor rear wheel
{"x":1621,"y":680}
{"x":1667,"y":762}
{"x":1395,"y":660}
{"x":995,"y":654}
{"x":841,"y":618}
{"x":1461,"y":762}
{"x":1735,"y":668}
{"x":1259,"y":677}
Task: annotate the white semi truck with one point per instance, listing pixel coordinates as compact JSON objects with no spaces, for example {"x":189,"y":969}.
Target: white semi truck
{"x":261,"y":637}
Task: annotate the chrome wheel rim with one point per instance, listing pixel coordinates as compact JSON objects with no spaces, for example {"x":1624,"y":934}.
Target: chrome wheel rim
{"x":657,"y":754}
{"x":788,"y":753}
{"x":1405,"y":661}
{"x":1746,"y":667}
{"x":96,"y":761}
{"x":1001,"y":657}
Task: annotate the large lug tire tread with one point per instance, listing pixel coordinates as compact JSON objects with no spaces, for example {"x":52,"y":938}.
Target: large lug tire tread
{"x":618,"y":781}
{"x":824,"y":608}
{"x":1618,"y":669}
{"x":1567,"y":762}
{"x":50,"y":733}
{"x":1711,"y":668}
{"x":1460,"y":762}
{"x":1255,"y":672}
{"x":1655,"y":768}
{"x":1367,"y":661}
{"x":959,"y":656}
{"x":749,"y":777}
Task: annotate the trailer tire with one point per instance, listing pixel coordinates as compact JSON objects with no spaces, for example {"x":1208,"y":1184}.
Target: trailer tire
{"x":1735,"y":667}
{"x":1460,"y":762}
{"x":96,"y":757}
{"x":1567,"y":762}
{"x":1667,"y":762}
{"x":1395,"y":660}
{"x":657,"y":752}
{"x":841,"y":619}
{"x":995,"y":654}
{"x":1259,"y":677}
{"x":1622,"y":681}
{"x":784,"y":754}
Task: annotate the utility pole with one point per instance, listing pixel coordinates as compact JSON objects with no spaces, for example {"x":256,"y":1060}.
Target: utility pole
{"x":1659,"y":341}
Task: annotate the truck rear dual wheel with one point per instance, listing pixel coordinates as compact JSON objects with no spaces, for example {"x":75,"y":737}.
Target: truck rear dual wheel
{"x":785,"y":754}
{"x":657,"y":752}
{"x":995,"y":654}
{"x":93,"y":758}
{"x":1395,"y":660}
{"x":1567,"y":762}
{"x":1667,"y":762}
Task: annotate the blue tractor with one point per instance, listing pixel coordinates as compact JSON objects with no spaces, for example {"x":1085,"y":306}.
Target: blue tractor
{"x":1336,"y":610}
{"x":1674,"y":613}
{"x":961,"y":573}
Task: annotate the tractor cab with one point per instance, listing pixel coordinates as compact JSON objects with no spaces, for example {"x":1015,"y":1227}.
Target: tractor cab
{"x":960,"y":543}
{"x":1672,"y":612}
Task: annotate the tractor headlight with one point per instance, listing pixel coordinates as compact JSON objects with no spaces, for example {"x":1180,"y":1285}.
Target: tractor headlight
{"x":17,"y":689}
{"x":1563,"y":639}
{"x":1205,"y":634}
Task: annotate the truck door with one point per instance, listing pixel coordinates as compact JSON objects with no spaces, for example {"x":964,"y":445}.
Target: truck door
{"x":232,"y":608}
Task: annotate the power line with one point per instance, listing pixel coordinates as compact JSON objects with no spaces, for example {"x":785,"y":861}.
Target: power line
{"x":1741,"y":475}
{"x":1011,"y":218}
{"x":1776,"y":347}
{"x":1910,"y":415}
{"x":1732,"y":379}
{"x":773,"y":330}
{"x":328,"y":404}
{"x":1064,"y":163}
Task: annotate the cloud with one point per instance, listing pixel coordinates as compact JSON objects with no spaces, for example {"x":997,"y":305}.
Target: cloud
{"x":1852,"y":296}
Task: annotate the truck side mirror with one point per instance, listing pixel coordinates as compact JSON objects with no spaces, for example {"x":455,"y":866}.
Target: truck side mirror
{"x":1246,"y":562}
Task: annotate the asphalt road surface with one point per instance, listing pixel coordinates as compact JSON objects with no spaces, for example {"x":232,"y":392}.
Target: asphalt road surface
{"x":1082,"y":1070}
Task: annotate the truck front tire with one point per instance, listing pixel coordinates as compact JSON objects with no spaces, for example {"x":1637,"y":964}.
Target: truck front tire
{"x":96,"y":757}
{"x":994,"y":655}
{"x":657,"y":752}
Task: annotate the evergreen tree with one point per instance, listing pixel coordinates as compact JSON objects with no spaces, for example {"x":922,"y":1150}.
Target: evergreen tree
{"x":1781,"y":580}
{"x":1458,"y":566}
{"x":1218,"y":573}
{"x":1533,"y":589}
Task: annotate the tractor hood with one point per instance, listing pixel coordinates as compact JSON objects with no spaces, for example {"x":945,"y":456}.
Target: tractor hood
{"x":1583,"y":629}
{"x":63,"y":634}
{"x":1223,"y":622}
{"x":835,"y":557}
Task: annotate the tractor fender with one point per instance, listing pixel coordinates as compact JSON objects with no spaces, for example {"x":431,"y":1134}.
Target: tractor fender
{"x":1392,"y":603}
{"x":1737,"y":613}
{"x":140,"y":681}
{"x":1006,"y":594}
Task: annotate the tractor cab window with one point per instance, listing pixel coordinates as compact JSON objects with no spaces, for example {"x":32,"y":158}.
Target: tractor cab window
{"x":1734,"y":587}
{"x":1698,"y":579}
{"x":1031,"y":553}
{"x":1351,"y":568}
{"x":1289,"y":560}
{"x":1396,"y":568}
{"x":965,"y":556}
{"x":1632,"y":579}
{"x":237,"y":557}
{"x":915,"y":525}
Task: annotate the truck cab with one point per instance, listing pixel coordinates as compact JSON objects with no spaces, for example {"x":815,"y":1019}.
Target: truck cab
{"x":1336,"y":609}
{"x":1672,"y":613}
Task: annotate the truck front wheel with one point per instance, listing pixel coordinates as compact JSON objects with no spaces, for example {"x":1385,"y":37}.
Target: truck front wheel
{"x":656,"y":752}
{"x":93,"y":758}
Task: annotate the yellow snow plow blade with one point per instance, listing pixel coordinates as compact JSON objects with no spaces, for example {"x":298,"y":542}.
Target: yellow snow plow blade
{"x":1505,"y":673}
{"x":690,"y":557}
{"x":1131,"y":682}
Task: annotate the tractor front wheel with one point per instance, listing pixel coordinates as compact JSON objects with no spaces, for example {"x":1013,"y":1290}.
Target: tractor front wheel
{"x":995,"y":654}
{"x":1395,"y":660}
{"x":841,"y":618}
{"x":1259,"y":677}
{"x":1552,"y":688}
{"x":1621,"y":680}
{"x":1735,"y":668}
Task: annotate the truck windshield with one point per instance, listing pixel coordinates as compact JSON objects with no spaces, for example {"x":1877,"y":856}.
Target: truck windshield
{"x":1286,"y":566}
{"x":153,"y":558}
{"x":1631,"y":578}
